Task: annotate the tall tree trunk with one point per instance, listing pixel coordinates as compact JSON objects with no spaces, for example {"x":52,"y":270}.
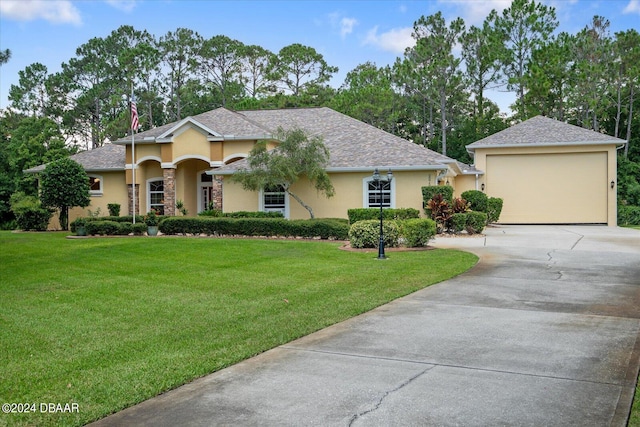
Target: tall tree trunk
{"x":629,"y":119}
{"x":443,"y":118}
{"x":618,"y":109}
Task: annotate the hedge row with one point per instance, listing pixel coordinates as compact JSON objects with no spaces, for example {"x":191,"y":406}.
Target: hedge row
{"x":118,"y":219}
{"x":113,"y":228}
{"x":306,"y":228}
{"x":240,"y":214}
{"x":413,"y":232}
{"x":363,"y":214}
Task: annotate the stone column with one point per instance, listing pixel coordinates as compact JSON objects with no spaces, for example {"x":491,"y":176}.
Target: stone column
{"x":217,"y":193}
{"x":130,"y":199}
{"x":169,"y":177}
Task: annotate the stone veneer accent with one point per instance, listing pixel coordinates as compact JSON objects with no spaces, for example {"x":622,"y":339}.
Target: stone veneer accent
{"x":130,"y":201}
{"x":169,"y":177}
{"x":217,"y":192}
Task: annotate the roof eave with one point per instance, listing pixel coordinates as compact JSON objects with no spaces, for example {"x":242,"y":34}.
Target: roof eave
{"x":356,"y":169}
{"x":473,"y":147}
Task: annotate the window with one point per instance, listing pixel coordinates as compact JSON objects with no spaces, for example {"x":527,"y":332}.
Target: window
{"x":274,"y":199}
{"x":95,"y":185}
{"x":156,"y":195}
{"x":371,"y":193}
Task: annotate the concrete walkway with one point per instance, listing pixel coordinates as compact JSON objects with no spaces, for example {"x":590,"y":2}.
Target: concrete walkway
{"x":543,"y":331}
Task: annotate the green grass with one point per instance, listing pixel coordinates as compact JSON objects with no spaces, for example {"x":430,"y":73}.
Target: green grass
{"x":107,"y":323}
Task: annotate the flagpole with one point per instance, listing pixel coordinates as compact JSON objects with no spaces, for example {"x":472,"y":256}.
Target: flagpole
{"x":133,"y":160}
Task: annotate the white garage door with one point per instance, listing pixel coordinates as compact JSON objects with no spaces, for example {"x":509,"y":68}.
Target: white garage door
{"x":549,"y":188}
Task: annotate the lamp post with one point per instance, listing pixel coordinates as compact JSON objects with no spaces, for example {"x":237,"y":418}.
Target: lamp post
{"x":378,"y":180}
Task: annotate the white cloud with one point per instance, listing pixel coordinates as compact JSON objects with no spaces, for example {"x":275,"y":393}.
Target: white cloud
{"x":632,"y":7}
{"x":124,"y":5}
{"x":474,"y":12}
{"x":341,"y":23}
{"x":54,"y":11}
{"x":395,"y":40}
{"x":346,"y":26}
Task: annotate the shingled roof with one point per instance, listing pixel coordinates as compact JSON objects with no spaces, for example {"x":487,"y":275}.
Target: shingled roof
{"x":352,"y":144}
{"x":109,"y":157}
{"x":542,"y":130}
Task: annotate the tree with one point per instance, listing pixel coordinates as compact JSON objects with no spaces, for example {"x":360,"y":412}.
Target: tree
{"x":64,"y":185}
{"x":483,"y":52}
{"x":627,"y":47}
{"x":5,"y":55}
{"x":297,"y":155}
{"x":548,"y":78}
{"x":178,"y":51}
{"x":526,"y":25}
{"x":367,"y":95}
{"x":299,"y":67}
{"x":220,"y":60}
{"x":256,"y":62}
{"x":593,"y":57}
{"x":433,"y":60}
{"x":30,"y":96}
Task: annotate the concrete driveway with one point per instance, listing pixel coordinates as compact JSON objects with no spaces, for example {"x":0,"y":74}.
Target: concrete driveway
{"x":543,"y":331}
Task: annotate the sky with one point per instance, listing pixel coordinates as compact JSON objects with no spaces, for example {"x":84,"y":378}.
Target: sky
{"x":346,"y":33}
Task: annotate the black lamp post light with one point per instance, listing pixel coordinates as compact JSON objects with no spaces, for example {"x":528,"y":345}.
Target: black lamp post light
{"x":379,"y":182}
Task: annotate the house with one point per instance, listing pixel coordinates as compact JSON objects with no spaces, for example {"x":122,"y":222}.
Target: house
{"x":189,"y":161}
{"x":550,"y":172}
{"x":546,"y":171}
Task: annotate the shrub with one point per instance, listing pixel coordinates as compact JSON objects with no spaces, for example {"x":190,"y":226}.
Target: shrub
{"x":366,"y":234}
{"x":494,"y":209}
{"x":417,"y":232}
{"x":139,"y":228}
{"x":211,"y":212}
{"x":114,"y":209}
{"x":102,"y":227}
{"x":240,"y":214}
{"x":476,"y":222}
{"x":440,"y":212}
{"x":458,"y":222}
{"x":312,"y":228}
{"x":628,"y":215}
{"x":459,"y":205}
{"x":477,"y":200}
{"x":29,"y":212}
{"x":445,"y":190}
{"x":363,"y":214}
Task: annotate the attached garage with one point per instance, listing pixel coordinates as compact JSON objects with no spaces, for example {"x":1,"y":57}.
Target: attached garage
{"x":549,"y":172}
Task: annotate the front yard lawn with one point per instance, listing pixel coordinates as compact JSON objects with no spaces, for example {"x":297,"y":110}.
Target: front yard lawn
{"x":106,"y":323}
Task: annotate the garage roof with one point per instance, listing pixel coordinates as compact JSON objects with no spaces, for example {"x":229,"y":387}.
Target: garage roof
{"x":542,"y":130}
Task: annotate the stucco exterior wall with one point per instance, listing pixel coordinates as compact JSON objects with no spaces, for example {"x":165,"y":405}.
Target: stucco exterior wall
{"x":235,"y":198}
{"x":144,"y":152}
{"x":114,"y":190}
{"x":234,"y":149}
{"x":349,"y":193}
{"x":462,"y":183}
{"x":190,"y":143}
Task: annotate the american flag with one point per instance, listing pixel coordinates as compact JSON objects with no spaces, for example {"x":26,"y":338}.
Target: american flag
{"x":134,"y":116}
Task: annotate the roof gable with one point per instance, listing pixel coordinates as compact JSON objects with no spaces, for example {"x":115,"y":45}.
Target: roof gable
{"x":219,"y":123}
{"x":542,"y":130}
